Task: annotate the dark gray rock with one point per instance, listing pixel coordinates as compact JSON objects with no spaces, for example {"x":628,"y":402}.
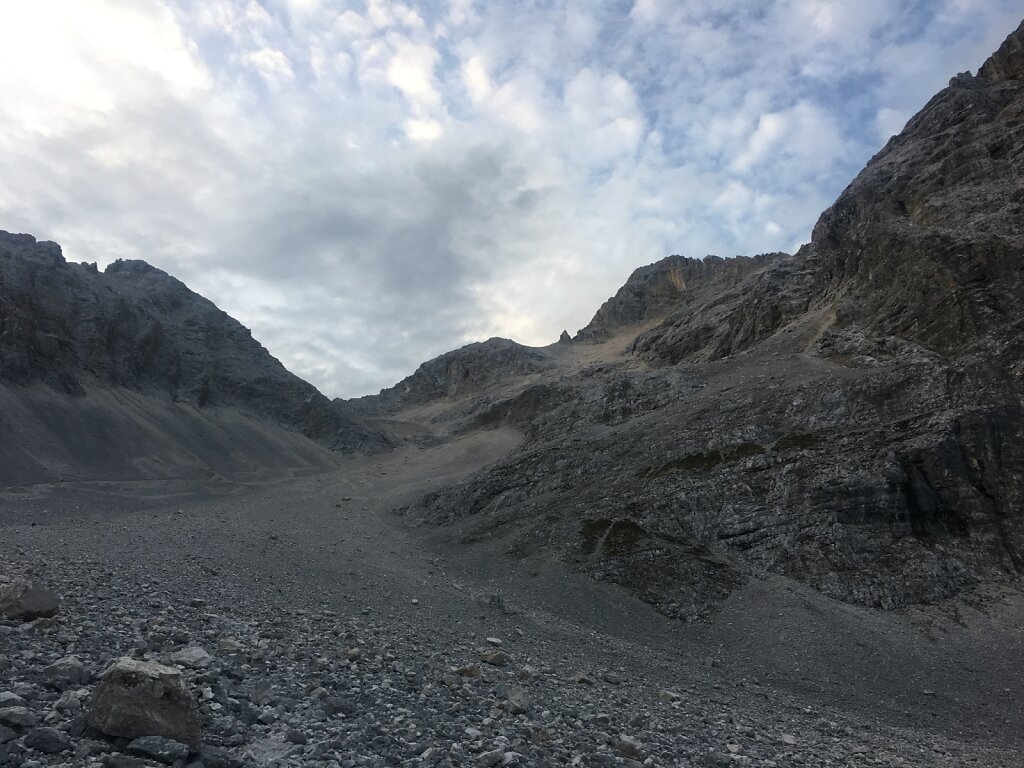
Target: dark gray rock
{"x":66,"y":672}
{"x":215,"y":757}
{"x":48,"y":740}
{"x":158,"y":748}
{"x":123,"y":761}
{"x":18,"y":717}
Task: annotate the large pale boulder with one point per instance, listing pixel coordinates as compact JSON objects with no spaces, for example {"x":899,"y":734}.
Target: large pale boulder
{"x":142,"y":698}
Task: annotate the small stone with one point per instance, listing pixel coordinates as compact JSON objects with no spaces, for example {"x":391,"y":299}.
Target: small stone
{"x":495,"y":657}
{"x":494,"y":757}
{"x":718,"y":760}
{"x":69,"y":701}
{"x":268,"y":718}
{"x":528,"y":673}
{"x":494,"y":641}
{"x":518,"y":701}
{"x":582,"y":678}
{"x":9,"y":699}
{"x":788,"y":738}
{"x":668,"y":696}
{"x":263,"y":693}
{"x":468,"y":670}
{"x":293,"y":736}
{"x":193,"y":657}
{"x":611,"y":678}
{"x":163,"y":750}
{"x":48,"y":740}
{"x":229,"y":645}
{"x":628,"y":748}
{"x":216,"y":757}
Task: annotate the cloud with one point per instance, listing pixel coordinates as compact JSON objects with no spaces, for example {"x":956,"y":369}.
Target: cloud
{"x":273,"y":66}
{"x":411,"y":70}
{"x":369,"y":186}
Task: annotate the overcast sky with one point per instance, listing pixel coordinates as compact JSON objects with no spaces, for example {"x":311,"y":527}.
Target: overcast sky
{"x":367,"y":184}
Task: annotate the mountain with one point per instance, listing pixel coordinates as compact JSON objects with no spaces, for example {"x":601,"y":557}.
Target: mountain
{"x":171,"y":383}
{"x":849,"y":416}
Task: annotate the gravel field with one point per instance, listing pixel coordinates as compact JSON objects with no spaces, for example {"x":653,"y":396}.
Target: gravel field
{"x":333,"y":635}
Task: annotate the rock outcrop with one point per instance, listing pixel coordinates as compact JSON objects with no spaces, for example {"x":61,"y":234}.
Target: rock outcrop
{"x":464,"y":371}
{"x":140,"y":698}
{"x":653,"y":290}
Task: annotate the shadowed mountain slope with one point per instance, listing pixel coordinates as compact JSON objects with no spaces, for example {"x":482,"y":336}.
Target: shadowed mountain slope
{"x":69,"y":332}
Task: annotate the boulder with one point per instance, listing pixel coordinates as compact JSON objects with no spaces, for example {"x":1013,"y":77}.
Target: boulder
{"x":26,"y":601}
{"x":141,"y":698}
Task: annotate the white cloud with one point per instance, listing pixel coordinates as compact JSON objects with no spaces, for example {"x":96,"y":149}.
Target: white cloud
{"x":423,"y":130}
{"x":411,"y":70}
{"x":272,"y":65}
{"x":352,"y":24}
{"x":476,"y":78}
{"x":58,"y":61}
{"x":646,"y":11}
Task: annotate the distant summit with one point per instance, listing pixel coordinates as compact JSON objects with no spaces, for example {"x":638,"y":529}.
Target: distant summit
{"x":650,"y":291}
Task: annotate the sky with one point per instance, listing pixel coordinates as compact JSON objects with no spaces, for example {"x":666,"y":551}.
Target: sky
{"x":368,"y":184}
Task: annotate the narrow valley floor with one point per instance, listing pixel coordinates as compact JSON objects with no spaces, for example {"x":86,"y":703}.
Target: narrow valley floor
{"x":369,"y":634}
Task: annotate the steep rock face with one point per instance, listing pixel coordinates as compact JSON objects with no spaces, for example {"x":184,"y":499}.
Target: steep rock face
{"x":927,"y":241}
{"x":454,"y":374}
{"x":132,"y":326}
{"x":652,"y":290}
{"x":725,"y":322}
{"x":850,"y":416}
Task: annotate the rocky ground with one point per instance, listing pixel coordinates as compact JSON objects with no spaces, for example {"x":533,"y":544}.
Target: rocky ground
{"x":332,"y":635}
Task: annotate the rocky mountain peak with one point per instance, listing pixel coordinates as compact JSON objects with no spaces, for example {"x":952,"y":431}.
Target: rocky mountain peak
{"x":653,"y":290}
{"x":454,"y":374}
{"x":1008,"y":62}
